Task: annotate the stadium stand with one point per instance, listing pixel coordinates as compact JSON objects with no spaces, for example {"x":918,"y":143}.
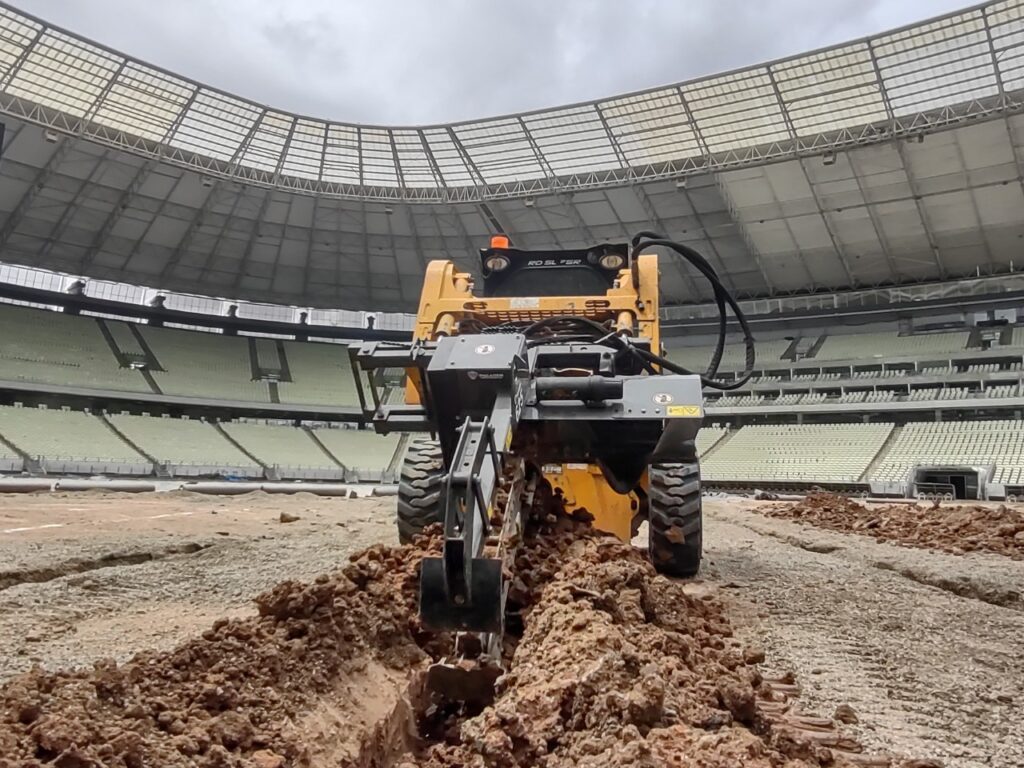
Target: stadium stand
{"x":321,"y":375}
{"x":733,"y":357}
{"x":868,"y":346}
{"x":208,"y":365}
{"x":289,"y":451}
{"x":70,"y":441}
{"x":185,"y":446}
{"x":838,"y":453}
{"x":709,"y":437}
{"x":47,"y":347}
{"x":10,"y":460}
{"x":366,"y":454}
{"x":968,"y":443}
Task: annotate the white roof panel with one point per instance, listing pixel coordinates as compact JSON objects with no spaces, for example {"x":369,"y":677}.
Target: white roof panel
{"x":919,"y":75}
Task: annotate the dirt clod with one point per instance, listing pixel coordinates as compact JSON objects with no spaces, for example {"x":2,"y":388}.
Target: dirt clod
{"x":844,"y":714}
{"x":954,"y":529}
{"x":288,"y":517}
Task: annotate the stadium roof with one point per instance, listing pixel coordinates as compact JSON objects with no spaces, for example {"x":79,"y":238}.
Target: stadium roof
{"x":888,"y":160}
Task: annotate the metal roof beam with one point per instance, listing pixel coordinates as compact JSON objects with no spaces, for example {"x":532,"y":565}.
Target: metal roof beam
{"x":311,"y":240}
{"x":982,"y":230}
{"x":197,"y":221}
{"x":466,"y":158}
{"x":69,"y":211}
{"x":898,"y":144}
{"x":921,"y":212}
{"x":114,"y":215}
{"x":1004,"y":96}
{"x":708,"y":239}
{"x":243,"y":145}
{"x":748,"y":241}
{"x":37,"y":185}
{"x":883,"y":240}
{"x":159,"y":212}
{"x":19,"y":62}
{"x":280,"y":246}
{"x":254,"y":233}
{"x":212,"y":255}
{"x":574,"y":215}
{"x":787,"y":119}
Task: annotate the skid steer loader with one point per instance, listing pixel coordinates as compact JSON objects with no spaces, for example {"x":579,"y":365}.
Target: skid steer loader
{"x":549,"y":379}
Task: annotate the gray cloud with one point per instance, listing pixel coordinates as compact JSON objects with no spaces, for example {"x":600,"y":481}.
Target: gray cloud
{"x":423,"y":61}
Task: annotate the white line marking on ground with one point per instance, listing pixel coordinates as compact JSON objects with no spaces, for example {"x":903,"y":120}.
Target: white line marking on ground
{"x":167,"y":514}
{"x":32,"y":528}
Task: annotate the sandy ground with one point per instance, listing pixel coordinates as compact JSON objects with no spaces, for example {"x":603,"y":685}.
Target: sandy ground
{"x":163,"y":591}
{"x":924,"y":646}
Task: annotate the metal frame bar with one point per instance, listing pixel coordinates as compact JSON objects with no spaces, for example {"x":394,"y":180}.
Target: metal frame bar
{"x":958,"y":29}
{"x":114,"y":215}
{"x":37,"y":185}
{"x":70,"y":209}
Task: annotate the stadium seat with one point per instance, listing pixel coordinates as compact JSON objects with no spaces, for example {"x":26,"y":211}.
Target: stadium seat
{"x":186,"y":446}
{"x":804,"y":452}
{"x":967,"y":443}
{"x":365,"y":453}
{"x":289,"y":450}
{"x":46,"y":347}
{"x":204,"y":365}
{"x":321,"y":375}
{"x":70,"y":441}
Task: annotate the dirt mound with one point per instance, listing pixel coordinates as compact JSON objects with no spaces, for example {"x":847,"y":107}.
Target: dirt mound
{"x":238,"y":693}
{"x":609,"y":664}
{"x":955,"y":529}
{"x":619,"y":666}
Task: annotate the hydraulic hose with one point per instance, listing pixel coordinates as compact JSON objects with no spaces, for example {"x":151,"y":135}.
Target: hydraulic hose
{"x":723,"y":298}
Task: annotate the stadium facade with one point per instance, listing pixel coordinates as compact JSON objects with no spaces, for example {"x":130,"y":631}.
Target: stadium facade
{"x":890,"y":160}
{"x":865,"y":201}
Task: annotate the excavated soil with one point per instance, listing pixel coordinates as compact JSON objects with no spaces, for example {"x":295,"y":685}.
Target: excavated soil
{"x":614,"y":666}
{"x":954,"y":529}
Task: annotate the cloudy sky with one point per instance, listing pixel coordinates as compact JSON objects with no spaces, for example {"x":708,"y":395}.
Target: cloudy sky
{"x":423,"y":61}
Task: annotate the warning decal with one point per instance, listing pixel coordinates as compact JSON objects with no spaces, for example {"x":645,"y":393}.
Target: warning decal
{"x":684,"y":411}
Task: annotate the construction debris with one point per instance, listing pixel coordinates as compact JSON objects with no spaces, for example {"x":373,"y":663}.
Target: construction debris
{"x":955,"y":529}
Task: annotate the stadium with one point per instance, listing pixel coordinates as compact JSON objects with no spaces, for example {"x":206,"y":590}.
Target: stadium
{"x":186,"y":275}
{"x":862,"y":198}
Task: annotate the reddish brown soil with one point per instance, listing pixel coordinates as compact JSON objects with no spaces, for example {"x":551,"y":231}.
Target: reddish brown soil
{"x":237,"y":695}
{"x":955,"y":529}
{"x":615,"y":666}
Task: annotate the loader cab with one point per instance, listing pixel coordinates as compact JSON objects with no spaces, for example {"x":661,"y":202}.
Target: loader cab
{"x":510,"y":272}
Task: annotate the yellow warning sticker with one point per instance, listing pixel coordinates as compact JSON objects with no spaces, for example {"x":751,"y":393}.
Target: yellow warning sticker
{"x":684,"y":411}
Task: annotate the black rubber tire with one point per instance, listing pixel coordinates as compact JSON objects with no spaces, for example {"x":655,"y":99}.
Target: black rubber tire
{"x":419,"y":488}
{"x":675,"y":520}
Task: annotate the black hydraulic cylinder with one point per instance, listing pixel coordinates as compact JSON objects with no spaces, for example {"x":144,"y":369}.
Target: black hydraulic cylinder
{"x":586,"y":388}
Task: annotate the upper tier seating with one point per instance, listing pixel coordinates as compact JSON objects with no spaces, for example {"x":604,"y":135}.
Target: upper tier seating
{"x":198,"y":364}
{"x":733,"y":357}
{"x":47,"y":347}
{"x":887,"y":345}
{"x":321,"y":375}
{"x":965,"y":443}
{"x":802,"y":452}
